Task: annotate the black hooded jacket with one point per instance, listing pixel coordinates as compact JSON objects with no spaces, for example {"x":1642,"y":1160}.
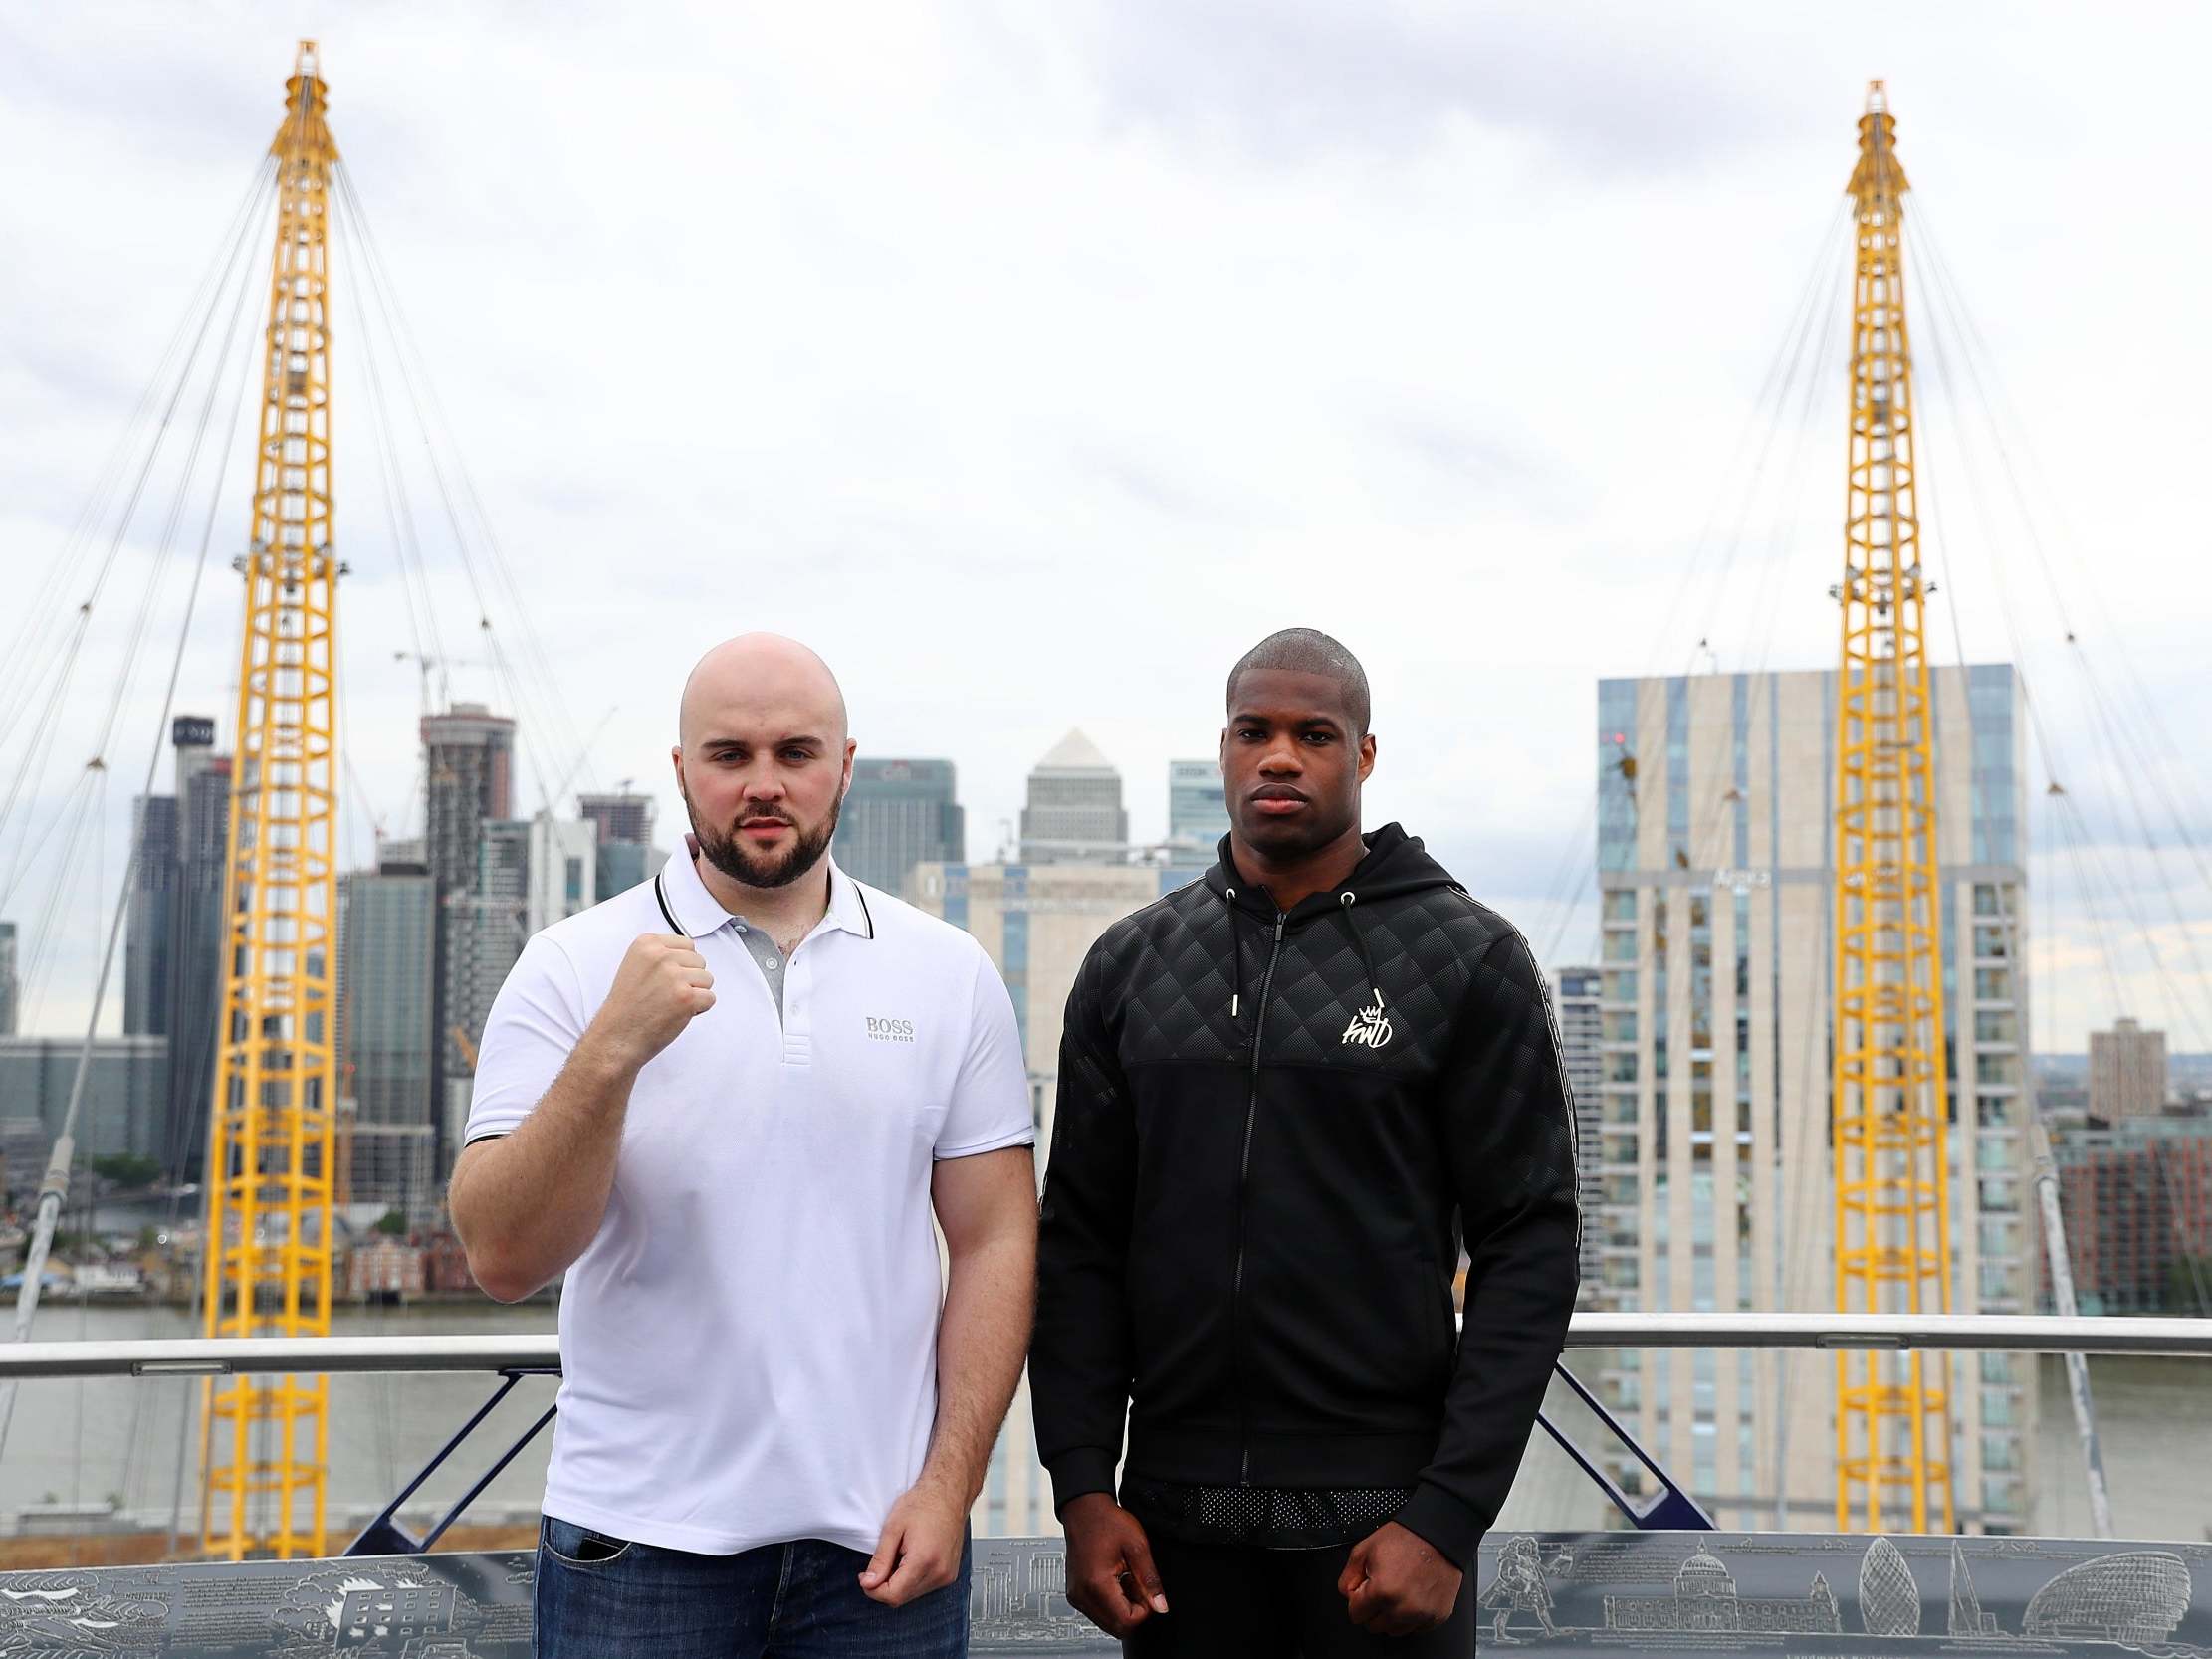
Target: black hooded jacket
{"x":1273,"y":1132}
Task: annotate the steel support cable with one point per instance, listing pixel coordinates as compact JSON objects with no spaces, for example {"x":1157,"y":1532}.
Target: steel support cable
{"x":150,"y":593}
{"x":59,"y":687}
{"x":371,"y":278}
{"x":2123,"y":889}
{"x":407,"y":544}
{"x":2114,"y":755}
{"x":39,"y":616}
{"x":166,"y":546}
{"x":2175,"y":1001}
{"x":2140,"y":758}
{"x":55,"y":1187}
{"x":32,"y":771}
{"x":1806,"y":330}
{"x":551,"y":701}
{"x":1791,"y":502}
{"x":509,"y":681}
{"x":204,"y":305}
{"x":1756,"y":422}
{"x":1971,"y":329}
{"x":31,"y":972}
{"x":561,"y":716}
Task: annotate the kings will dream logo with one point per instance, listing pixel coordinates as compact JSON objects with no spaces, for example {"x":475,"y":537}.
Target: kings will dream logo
{"x":1370,"y":1027}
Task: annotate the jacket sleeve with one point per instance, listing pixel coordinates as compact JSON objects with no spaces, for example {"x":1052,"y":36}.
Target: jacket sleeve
{"x":1079,"y":1359}
{"x":1508,"y":1129}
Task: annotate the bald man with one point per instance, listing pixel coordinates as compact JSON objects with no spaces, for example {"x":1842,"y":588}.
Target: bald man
{"x":728,"y":1105}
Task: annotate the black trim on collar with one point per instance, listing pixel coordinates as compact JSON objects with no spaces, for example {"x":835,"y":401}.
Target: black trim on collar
{"x":866,"y":914}
{"x":660,"y":898}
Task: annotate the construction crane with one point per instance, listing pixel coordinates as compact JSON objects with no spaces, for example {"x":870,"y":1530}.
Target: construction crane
{"x":1890,"y":1097}
{"x":271,"y":1156}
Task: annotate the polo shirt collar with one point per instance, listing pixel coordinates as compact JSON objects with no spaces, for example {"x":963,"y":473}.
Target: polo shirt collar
{"x":690,"y":902}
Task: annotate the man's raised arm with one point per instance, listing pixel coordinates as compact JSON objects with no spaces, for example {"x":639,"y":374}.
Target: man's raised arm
{"x":529,"y":1190}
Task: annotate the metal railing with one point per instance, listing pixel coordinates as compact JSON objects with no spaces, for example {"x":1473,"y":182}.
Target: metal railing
{"x":511,"y":1357}
{"x":1996,"y":1332}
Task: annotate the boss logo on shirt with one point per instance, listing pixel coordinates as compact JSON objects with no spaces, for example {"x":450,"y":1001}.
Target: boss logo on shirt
{"x":891,"y":1031}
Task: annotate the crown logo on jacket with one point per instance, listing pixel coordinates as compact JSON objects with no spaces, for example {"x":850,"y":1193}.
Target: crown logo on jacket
{"x":1370,"y":1027}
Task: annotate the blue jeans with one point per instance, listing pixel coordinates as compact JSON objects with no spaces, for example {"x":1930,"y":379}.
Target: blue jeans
{"x":602,"y":1598}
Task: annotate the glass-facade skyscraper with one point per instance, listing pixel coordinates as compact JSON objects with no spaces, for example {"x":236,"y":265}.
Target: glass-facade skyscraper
{"x":1198,"y":806}
{"x":1575,"y":1005}
{"x":1716,"y":875}
{"x":897,"y":814}
{"x":1074,"y":814}
{"x":384,"y":1010}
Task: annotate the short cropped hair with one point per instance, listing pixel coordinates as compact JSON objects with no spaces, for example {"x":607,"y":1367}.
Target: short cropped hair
{"x":1309,"y":651}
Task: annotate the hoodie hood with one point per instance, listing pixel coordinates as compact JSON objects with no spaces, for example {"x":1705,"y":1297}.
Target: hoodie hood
{"x":1395,"y":864}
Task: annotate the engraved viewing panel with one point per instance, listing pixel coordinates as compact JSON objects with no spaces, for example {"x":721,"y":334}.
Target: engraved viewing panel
{"x":1681,"y":1593}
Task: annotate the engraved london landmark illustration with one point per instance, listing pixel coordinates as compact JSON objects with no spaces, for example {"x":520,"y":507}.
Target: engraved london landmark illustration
{"x":1807,"y":1594}
{"x":1618,"y":1594}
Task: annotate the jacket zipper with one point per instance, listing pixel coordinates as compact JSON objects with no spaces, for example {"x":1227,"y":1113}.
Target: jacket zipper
{"x":1243,"y":1172}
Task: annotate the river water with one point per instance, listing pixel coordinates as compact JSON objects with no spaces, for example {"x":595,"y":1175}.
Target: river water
{"x":118,"y":1439}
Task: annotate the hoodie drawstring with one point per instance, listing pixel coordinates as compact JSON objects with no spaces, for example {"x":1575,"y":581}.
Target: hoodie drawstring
{"x":1345,"y":900}
{"x":1235,"y":963}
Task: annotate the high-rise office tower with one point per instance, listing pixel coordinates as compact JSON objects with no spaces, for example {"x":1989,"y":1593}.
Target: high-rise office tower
{"x":151,"y":917}
{"x":563,"y":869}
{"x":1075,"y":813}
{"x":468,"y":761}
{"x":172,"y":940}
{"x":203,"y":780}
{"x":125,"y":1088}
{"x":623,"y":854}
{"x":618,"y":817}
{"x":11,"y":988}
{"x":1198,"y":806}
{"x":486,"y":927}
{"x":2128,"y":1071}
{"x":1715,"y":870}
{"x":388,"y":946}
{"x":1575,"y":1005}
{"x":897,"y":814}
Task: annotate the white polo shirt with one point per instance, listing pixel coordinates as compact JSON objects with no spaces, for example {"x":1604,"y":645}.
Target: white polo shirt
{"x":749,"y":1346}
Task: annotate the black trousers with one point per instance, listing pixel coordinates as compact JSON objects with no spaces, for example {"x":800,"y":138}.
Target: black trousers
{"x":1233,"y":1601}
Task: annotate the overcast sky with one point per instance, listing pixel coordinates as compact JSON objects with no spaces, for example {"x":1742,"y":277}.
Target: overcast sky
{"x":1033,"y":360}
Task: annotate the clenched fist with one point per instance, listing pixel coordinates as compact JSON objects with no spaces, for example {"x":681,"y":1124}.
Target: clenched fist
{"x":661,"y":987}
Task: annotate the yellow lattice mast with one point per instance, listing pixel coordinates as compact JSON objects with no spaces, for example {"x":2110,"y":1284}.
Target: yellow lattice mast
{"x":266,"y":1443}
{"x":1890,"y":1101}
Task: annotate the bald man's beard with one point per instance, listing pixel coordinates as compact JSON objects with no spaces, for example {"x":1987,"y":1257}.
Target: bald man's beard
{"x":741,"y":864}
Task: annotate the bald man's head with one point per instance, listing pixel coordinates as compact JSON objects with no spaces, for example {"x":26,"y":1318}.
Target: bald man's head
{"x":756,"y":671}
{"x":762,"y":758}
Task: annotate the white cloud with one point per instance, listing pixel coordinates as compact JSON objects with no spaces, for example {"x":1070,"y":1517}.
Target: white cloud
{"x":1033,"y":361}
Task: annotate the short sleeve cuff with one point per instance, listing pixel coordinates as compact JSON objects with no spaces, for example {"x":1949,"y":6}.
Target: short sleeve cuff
{"x":1025,"y":1135}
